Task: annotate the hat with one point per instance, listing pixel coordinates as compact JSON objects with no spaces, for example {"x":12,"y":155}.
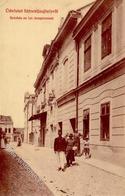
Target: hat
{"x":70,"y":135}
{"x":76,"y":130}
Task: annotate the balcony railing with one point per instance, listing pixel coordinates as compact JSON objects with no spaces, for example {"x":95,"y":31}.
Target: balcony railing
{"x":51,"y":98}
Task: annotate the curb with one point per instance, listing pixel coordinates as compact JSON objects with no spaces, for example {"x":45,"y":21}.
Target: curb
{"x":107,"y":167}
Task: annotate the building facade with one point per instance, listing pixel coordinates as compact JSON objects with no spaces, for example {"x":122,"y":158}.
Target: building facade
{"x":56,"y":81}
{"x":101,"y":76}
{"x":30,"y":127}
{"x":18,"y":133}
{"x":6,"y":126}
{"x":82,"y":79}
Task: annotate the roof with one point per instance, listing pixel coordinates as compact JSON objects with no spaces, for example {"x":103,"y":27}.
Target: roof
{"x":69,"y":22}
{"x":18,"y":130}
{"x":95,"y":12}
{"x":84,"y":6}
{"x":5,"y":119}
{"x":67,"y":26}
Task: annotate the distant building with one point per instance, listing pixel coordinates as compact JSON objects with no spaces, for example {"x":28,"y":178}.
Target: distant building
{"x":18,"y":132}
{"x":6,"y":126}
{"x":31,"y":128}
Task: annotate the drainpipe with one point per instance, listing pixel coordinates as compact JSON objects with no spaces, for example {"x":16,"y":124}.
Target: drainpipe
{"x":77,"y":83}
{"x":31,"y":115}
{"x":27,"y":125}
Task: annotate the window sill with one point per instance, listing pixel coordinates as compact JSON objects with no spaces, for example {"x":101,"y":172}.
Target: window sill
{"x":103,"y":140}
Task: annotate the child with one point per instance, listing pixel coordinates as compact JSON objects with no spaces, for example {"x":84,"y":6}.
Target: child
{"x":86,"y":148}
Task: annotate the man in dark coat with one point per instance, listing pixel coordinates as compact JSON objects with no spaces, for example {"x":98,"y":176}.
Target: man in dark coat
{"x":60,"y":149}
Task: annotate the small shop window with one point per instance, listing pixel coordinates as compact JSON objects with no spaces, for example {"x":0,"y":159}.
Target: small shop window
{"x":86,"y":119}
{"x":105,"y":121}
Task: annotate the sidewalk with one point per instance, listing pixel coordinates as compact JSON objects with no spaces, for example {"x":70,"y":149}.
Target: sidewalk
{"x":43,"y":162}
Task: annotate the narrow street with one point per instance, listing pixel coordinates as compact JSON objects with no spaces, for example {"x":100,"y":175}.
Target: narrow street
{"x":17,"y":179}
{"x":81,"y":179}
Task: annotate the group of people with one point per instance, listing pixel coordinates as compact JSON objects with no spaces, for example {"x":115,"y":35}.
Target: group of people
{"x":4,"y":141}
{"x":66,"y":148}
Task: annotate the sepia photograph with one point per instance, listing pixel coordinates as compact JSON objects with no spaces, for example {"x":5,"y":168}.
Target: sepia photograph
{"x":62,"y":97}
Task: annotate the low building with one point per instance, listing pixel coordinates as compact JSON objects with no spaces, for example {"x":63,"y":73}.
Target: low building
{"x":6,"y":126}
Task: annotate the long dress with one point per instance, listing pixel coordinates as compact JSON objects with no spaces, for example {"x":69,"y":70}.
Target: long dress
{"x":70,"y":152}
{"x":2,"y":143}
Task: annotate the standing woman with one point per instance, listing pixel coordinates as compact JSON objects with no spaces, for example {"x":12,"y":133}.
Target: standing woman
{"x":19,"y":143}
{"x":2,"y":142}
{"x":69,"y":151}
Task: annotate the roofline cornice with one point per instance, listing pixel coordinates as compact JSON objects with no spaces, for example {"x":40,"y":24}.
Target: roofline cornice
{"x":89,"y":15}
{"x":72,"y":15}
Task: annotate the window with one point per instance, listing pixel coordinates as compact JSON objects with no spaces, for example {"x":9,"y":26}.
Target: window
{"x":65,"y":75}
{"x":107,"y":36}
{"x":73,"y":121}
{"x":105,"y":121}
{"x":87,"y":54}
{"x":0,"y":129}
{"x":44,"y":92}
{"x":5,"y":130}
{"x":60,"y":125}
{"x":9,"y":130}
{"x":52,"y":128}
{"x":14,"y":130}
{"x":52,"y":75}
{"x":86,"y":119}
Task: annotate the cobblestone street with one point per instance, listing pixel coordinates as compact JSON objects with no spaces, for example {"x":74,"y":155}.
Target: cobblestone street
{"x":17,"y":179}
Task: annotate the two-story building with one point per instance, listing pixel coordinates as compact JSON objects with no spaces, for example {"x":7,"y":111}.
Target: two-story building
{"x":56,"y":82}
{"x":100,"y":44}
{"x":81,"y":83}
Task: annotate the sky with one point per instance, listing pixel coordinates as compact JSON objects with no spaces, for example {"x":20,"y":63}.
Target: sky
{"x":21,"y":45}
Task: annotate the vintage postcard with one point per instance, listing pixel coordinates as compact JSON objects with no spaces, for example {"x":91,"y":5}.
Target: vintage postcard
{"x":62,"y":97}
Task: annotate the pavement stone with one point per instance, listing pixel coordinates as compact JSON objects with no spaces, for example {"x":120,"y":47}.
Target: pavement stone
{"x":43,"y":162}
{"x":17,"y":178}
